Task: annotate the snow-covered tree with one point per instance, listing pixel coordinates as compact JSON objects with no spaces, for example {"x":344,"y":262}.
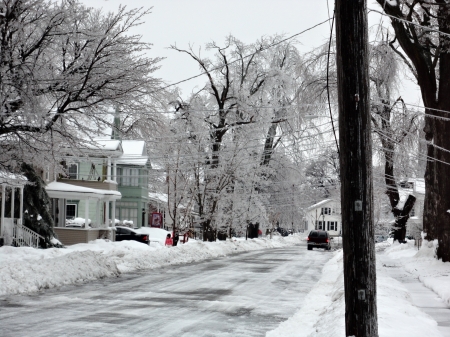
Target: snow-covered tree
{"x":63,"y":67}
{"x":251,"y":95}
{"x":396,"y":128}
{"x":36,"y":203}
{"x":422,"y":40}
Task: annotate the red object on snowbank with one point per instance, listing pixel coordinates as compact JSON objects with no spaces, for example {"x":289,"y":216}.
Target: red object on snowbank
{"x":169,"y":241}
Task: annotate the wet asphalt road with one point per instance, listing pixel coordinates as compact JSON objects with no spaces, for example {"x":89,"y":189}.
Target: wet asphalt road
{"x":241,"y":295}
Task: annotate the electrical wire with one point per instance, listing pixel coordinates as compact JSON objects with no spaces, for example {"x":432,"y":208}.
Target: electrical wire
{"x":244,"y":57}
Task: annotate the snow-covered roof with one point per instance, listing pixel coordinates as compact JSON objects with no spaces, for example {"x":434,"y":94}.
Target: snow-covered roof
{"x":419,"y":185}
{"x":68,"y":191}
{"x":320,"y":203}
{"x":12,"y":179}
{"x":102,"y":148}
{"x":133,"y":147}
{"x":108,"y":144}
{"x":134,"y":153}
{"x":162,"y":197}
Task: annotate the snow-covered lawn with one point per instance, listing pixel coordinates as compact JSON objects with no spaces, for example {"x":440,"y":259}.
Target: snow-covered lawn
{"x":25,"y":270}
{"x":324,"y":309}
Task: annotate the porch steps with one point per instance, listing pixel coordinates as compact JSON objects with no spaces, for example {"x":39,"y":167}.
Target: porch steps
{"x":25,"y":237}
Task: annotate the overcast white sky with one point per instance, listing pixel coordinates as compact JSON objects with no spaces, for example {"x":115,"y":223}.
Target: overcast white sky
{"x":197,"y":22}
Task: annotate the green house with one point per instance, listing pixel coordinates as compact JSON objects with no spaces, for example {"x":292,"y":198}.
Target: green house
{"x":111,"y":182}
{"x":132,"y":177}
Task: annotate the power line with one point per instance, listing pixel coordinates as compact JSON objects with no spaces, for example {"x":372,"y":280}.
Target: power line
{"x":410,"y":22}
{"x":244,"y":57}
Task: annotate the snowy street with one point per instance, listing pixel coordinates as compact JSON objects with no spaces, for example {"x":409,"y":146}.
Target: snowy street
{"x":246,"y":294}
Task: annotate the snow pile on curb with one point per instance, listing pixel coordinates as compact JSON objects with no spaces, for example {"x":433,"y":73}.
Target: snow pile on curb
{"x":24,"y":270}
{"x":30,"y":275}
{"x":324,"y":309}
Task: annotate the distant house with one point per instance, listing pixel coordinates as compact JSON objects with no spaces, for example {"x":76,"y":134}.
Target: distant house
{"x":325,"y":215}
{"x":416,"y":187}
{"x":186,"y":218}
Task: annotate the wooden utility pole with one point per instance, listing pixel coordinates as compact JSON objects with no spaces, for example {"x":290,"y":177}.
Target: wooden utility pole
{"x":356,"y":169}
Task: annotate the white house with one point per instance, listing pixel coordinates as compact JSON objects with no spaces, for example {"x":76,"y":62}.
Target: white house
{"x":11,"y":229}
{"x":325,"y":215}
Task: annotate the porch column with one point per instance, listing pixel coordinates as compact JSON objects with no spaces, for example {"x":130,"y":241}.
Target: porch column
{"x":86,"y":214}
{"x":113,"y":213}
{"x":21,"y":205}
{"x":13,"y":192}
{"x":106,"y":213}
{"x":97,"y":215}
{"x":115,"y":171}
{"x":108,"y":169}
{"x":2,"y":214}
{"x":61,"y":212}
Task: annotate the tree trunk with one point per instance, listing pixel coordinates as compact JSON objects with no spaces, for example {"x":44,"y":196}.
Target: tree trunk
{"x":356,"y":169}
{"x":401,"y":217}
{"x":268,"y":145}
{"x":436,"y":220}
{"x":437,"y":174}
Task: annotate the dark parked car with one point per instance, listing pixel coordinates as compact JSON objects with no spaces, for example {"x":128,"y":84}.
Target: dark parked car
{"x":318,"y":239}
{"x":282,"y":231}
{"x":125,"y":233}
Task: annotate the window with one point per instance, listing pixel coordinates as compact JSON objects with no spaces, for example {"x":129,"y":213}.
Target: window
{"x":332,"y":225}
{"x":71,"y":211}
{"x":325,"y":210}
{"x":130,"y":177}
{"x":320,"y":225}
{"x":73,"y":171}
{"x":336,"y":210}
{"x":129,"y":214}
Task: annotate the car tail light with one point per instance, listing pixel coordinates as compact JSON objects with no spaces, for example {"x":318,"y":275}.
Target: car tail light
{"x":307,"y":239}
{"x":145,"y":237}
{"x":327,"y":240}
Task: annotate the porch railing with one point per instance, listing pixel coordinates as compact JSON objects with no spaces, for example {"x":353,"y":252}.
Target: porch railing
{"x":25,"y":237}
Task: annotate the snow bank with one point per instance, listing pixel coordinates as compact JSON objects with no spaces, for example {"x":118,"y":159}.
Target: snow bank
{"x":24,"y":270}
{"x":324,"y":309}
{"x":37,"y":271}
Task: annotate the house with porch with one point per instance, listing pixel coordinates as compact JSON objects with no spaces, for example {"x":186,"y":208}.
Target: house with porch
{"x":324,"y":215}
{"x":89,"y":192}
{"x":106,"y":187}
{"x":12,"y":231}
